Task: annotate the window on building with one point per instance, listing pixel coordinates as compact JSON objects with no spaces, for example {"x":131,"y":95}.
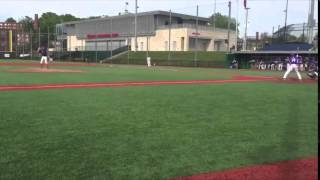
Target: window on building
{"x":174,"y":45}
{"x":166,"y":47}
{"x":182,"y":43}
{"x":141,"y":46}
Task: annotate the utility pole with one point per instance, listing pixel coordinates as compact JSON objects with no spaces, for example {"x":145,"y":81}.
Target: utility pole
{"x":147,"y":46}
{"x":39,"y":36}
{"x":135,"y":27}
{"x":126,"y":8}
{"x":214,"y":22}
{"x":229,"y":20}
{"x":285,"y":22}
{"x":272,"y":34}
{"x":245,"y":32}
{"x":111,"y":39}
{"x":236,"y":47}
{"x":169,"y":36}
{"x":96,"y":43}
{"x":196,"y":44}
{"x":214,"y":15}
{"x":129,"y":43}
{"x":303,"y":32}
{"x":23,"y":40}
{"x":31,"y":44}
{"x":48,"y":39}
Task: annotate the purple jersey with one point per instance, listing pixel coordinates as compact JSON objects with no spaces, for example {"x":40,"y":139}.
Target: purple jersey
{"x":294,"y":60}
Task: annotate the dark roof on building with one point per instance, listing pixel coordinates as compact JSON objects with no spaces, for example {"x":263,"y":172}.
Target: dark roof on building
{"x":173,"y":14}
{"x":274,"y":52}
{"x":288,"y":47}
{"x":165,"y":13}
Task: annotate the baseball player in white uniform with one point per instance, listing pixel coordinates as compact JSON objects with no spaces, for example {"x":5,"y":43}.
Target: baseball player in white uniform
{"x":293,"y":65}
{"x":43,"y":51}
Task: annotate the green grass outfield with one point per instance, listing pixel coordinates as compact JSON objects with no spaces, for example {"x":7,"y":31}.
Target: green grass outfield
{"x":177,"y":58}
{"x":175,"y":55}
{"x":151,"y":132}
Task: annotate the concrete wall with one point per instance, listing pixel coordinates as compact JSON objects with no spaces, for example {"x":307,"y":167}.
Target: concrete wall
{"x":73,"y":43}
{"x":215,"y":36}
{"x":182,"y":39}
{"x":160,"y":42}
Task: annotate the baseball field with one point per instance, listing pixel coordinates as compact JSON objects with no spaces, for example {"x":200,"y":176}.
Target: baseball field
{"x":120,"y":122}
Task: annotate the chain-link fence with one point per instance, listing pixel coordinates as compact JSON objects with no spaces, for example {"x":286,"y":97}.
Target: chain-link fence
{"x":26,"y":44}
{"x":113,"y":39}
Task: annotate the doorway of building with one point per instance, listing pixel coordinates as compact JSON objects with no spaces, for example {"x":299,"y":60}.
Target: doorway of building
{"x":182,"y":43}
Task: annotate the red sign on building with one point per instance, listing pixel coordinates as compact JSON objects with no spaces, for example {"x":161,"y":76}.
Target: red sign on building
{"x":99,"y":36}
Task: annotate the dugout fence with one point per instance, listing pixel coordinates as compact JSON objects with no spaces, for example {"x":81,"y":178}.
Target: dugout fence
{"x":268,"y":60}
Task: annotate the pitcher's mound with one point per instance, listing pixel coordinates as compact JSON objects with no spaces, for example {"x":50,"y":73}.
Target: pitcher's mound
{"x":44,"y":70}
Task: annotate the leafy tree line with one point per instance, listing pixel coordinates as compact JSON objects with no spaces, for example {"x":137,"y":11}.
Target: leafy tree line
{"x":221,"y":21}
{"x":47,"y":21}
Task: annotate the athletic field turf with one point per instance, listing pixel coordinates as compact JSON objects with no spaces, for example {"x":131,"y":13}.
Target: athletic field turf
{"x":137,"y":123}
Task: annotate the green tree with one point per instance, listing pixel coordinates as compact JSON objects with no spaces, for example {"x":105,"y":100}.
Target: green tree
{"x":68,"y":18}
{"x":27,"y":24}
{"x":48,"y":22}
{"x":222,"y":21}
{"x":302,"y":38}
{"x":10,"y":20}
{"x":93,"y":17}
{"x":27,"y":28}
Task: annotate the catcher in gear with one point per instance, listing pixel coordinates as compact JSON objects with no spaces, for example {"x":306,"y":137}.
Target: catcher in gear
{"x":312,"y":71}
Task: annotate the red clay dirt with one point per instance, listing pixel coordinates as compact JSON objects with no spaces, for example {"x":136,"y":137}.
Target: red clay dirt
{"x":50,"y":64}
{"x":304,"y":169}
{"x":236,"y":79}
{"x":116,"y":84}
{"x":276,"y":80}
{"x":44,"y":70}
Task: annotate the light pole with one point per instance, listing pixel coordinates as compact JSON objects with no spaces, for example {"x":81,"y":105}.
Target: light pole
{"x":285,"y":22}
{"x":246,"y":28}
{"x":236,"y":47}
{"x":214,"y":23}
{"x":214,"y":15}
{"x":169,"y":54}
{"x":111,"y":39}
{"x":196,"y":43}
{"x":229,"y":18}
{"x":126,"y":8}
{"x":135,"y":27}
{"x":311,"y":22}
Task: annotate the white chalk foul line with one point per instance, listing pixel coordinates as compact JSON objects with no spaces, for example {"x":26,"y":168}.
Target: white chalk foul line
{"x":120,"y":84}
